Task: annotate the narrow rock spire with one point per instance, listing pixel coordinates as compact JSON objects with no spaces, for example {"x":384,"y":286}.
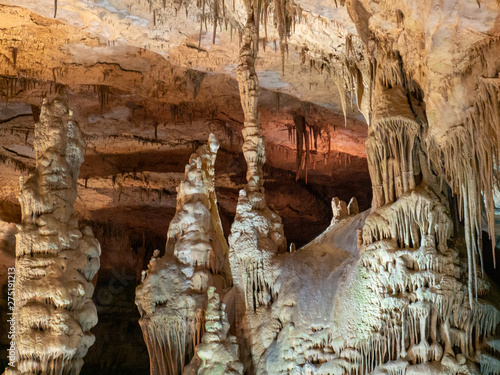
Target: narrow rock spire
{"x":56,"y":259}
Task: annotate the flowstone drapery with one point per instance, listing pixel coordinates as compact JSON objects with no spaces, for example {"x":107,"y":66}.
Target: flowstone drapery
{"x":56,"y":259}
{"x":390,"y":146}
{"x":172,"y":297}
{"x":377,"y":292}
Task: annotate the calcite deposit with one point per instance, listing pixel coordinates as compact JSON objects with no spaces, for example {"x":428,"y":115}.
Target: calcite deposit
{"x":56,"y":259}
{"x":172,"y":297}
{"x":218,"y":352}
{"x":348,"y":225}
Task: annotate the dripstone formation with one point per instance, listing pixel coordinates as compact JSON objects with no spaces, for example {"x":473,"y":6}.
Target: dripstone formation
{"x":172,"y":297}
{"x":56,"y":259}
{"x":289,"y":92}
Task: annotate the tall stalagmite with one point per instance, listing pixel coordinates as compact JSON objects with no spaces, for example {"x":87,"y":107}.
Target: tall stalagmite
{"x":257,"y":233}
{"x":172,"y":297}
{"x":56,"y":259}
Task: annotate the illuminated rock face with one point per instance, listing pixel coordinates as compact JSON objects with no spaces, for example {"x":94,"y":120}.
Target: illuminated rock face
{"x":56,"y":259}
{"x":378,"y":292}
{"x":394,"y":290}
{"x":397,"y":304}
{"x":172,"y":297}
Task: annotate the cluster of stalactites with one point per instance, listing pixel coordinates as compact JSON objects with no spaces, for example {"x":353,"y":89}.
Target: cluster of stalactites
{"x":390,"y":147}
{"x":171,"y":342}
{"x":56,"y":260}
{"x":415,"y":219}
{"x":471,"y":169}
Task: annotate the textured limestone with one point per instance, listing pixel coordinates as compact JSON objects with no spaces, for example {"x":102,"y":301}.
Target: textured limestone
{"x":218,"y":352}
{"x":256,"y":233}
{"x":172,"y":297}
{"x":385,"y":291}
{"x":56,"y":259}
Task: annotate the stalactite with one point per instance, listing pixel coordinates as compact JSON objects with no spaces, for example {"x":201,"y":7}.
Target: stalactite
{"x":300,"y":127}
{"x":14,"y":56}
{"x":390,"y":146}
{"x":201,"y":24}
{"x":215,"y":15}
{"x":102,"y":95}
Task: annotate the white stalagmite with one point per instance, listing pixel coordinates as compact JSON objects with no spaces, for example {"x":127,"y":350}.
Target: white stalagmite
{"x":172,"y":297}
{"x":218,"y":353}
{"x":339,"y":210}
{"x":56,"y":259}
{"x":257,"y":232}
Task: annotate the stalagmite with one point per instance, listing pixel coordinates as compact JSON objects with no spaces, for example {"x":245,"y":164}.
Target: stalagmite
{"x":56,"y":259}
{"x":352,"y":207}
{"x":218,"y":352}
{"x":257,"y":233}
{"x":172,"y":297}
{"x":339,"y":210}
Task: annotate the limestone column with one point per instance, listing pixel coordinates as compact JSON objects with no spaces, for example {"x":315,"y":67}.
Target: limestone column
{"x":56,"y":259}
{"x":257,"y":232}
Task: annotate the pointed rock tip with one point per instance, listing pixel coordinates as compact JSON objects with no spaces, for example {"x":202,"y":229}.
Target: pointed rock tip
{"x":213,"y":143}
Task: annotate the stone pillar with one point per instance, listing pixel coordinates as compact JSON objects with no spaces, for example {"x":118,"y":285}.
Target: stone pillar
{"x":172,"y":296}
{"x":56,"y":259}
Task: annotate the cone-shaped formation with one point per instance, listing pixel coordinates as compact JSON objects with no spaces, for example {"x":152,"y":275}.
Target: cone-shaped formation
{"x":172,"y":297}
{"x":55,"y":259}
{"x":218,"y":353}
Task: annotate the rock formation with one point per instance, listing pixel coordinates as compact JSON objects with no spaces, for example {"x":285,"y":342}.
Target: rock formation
{"x":397,"y":306}
{"x":172,"y":296}
{"x":218,"y":352}
{"x":256,"y":233}
{"x":56,"y":259}
{"x":400,"y":288}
